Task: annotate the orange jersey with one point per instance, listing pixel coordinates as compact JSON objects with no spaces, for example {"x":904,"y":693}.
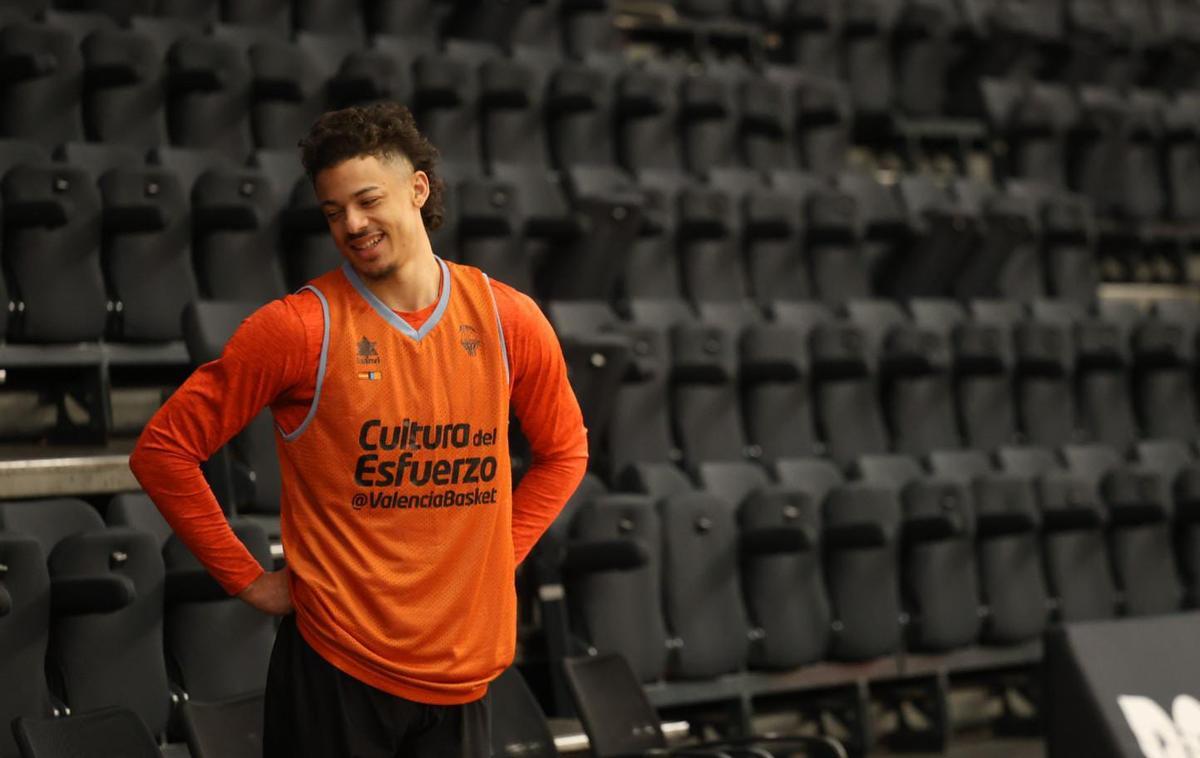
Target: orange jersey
{"x":399,"y":520}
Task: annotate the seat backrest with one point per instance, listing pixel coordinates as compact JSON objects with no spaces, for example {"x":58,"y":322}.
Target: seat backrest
{"x":705,"y":403}
{"x":103,"y":732}
{"x":845,"y":392}
{"x":776,"y":400}
{"x":702,"y":599}
{"x":619,"y":611}
{"x":519,"y":725}
{"x":617,"y":716}
{"x":42,"y":101}
{"x":52,"y":230}
{"x":208,"y":102}
{"x":226,"y":729}
{"x":126,"y":100}
{"x":24,"y":633}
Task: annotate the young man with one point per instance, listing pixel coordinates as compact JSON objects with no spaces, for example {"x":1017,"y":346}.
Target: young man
{"x":390,"y":380}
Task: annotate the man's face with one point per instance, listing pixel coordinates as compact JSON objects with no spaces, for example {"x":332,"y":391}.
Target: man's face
{"x":373,"y":208}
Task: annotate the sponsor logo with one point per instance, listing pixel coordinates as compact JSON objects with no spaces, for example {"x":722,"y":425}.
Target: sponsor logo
{"x":469,"y":336}
{"x":1160,"y":734}
{"x":372,"y":376}
{"x":367,"y":354}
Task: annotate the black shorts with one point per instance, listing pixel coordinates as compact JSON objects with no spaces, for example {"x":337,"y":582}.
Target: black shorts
{"x":314,"y":710}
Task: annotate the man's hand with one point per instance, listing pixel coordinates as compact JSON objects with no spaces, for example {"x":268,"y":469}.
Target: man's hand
{"x":270,"y":593}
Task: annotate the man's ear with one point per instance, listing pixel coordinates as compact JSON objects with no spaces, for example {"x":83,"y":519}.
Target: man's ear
{"x":420,"y":188}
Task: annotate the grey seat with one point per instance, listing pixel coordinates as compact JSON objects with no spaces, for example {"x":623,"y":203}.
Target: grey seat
{"x":24,"y":633}
{"x":96,"y":733}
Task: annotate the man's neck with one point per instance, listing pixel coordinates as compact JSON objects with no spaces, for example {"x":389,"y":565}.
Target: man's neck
{"x":415,"y":284}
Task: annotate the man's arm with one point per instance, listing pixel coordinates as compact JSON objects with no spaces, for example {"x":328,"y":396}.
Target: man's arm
{"x":545,"y":404}
{"x":266,"y":357}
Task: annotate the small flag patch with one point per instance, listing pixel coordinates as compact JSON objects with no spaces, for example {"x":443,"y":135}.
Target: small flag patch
{"x":369,"y":375}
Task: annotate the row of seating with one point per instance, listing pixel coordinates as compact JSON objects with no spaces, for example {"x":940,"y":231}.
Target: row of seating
{"x":742,"y":582}
{"x":670,"y":387}
{"x":115,"y":611}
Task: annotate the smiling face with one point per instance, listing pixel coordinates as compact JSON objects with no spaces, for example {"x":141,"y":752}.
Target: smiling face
{"x":373,"y":208}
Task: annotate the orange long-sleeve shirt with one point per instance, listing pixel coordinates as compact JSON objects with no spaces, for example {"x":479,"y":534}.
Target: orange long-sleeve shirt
{"x":272,"y":361}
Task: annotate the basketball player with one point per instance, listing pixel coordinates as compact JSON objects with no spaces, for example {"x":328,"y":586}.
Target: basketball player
{"x":390,"y":380}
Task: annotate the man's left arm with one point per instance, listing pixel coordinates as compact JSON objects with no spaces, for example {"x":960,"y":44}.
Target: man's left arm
{"x":545,"y":404}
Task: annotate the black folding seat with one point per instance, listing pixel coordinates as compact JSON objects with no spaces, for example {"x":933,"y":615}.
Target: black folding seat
{"x":1164,"y":359}
{"x":589,"y":30}
{"x":1035,"y":119}
{"x":104,"y":731}
{"x":776,"y":398}
{"x":1007,"y":260}
{"x":235,"y":221}
{"x":42,"y":95}
{"x":540,"y":27}
{"x":304,"y":240}
{"x":1179,"y":477}
{"x":24,"y":633}
{"x":810,"y":32}
{"x":125,"y":88}
{"x":937,"y":560}
{"x":1044,"y":358}
{"x":914,"y":370}
{"x":107,"y":596}
{"x":925,"y":48}
{"x":1103,"y":375}
{"x":821,"y":120}
{"x":640,"y":428}
{"x":833,"y":242}
{"x":52,"y":241}
{"x":1068,"y":243}
{"x":1015,"y":38}
{"x":781,"y":577}
{"x":702,"y":599}
{"x":652,"y":270}
{"x":709,"y":118}
{"x":1073,"y":540}
{"x":446,"y":102}
{"x":1181,"y":149}
{"x":766,"y":121}
{"x":1114,"y":153}
{"x":1139,"y":529}
{"x":487,"y":230}
{"x":599,"y":353}
{"x":881,"y":222}
{"x":411,"y":19}
{"x":217,"y":646}
{"x":209,"y":89}
{"x":941,"y":236}
{"x":518,"y":725}
{"x":297,"y":80}
{"x":580,"y":106}
{"x":983,"y":365}
{"x":845,"y":389}
{"x":711,"y":263}
{"x":147,"y":252}
{"x":1007,"y":519}
{"x":861,"y":526}
{"x":1109,"y":41}
{"x":647,"y":110}
{"x":867,"y":50}
{"x":244,"y":477}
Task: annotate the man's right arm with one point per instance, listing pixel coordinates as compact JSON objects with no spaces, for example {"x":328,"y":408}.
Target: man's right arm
{"x":265,"y":359}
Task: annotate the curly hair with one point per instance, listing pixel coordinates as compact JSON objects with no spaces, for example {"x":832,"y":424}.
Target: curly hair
{"x":382,"y":130}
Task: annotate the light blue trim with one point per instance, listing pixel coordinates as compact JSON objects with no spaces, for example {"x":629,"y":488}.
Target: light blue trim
{"x":500,"y":328}
{"x":321,"y":365}
{"x":390,"y":316}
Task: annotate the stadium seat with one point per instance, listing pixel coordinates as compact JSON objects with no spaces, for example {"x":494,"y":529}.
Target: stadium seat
{"x":776,"y":399}
{"x":329,"y":17}
{"x":1006,"y":261}
{"x":43,"y":93}
{"x":273,"y":15}
{"x":1073,"y":538}
{"x":881,"y":222}
{"x":107,"y":596}
{"x":1164,"y":356}
{"x":209,"y":91}
{"x":230,"y":728}
{"x":709,"y":118}
{"x":24,"y":633}
{"x":779,"y":533}
{"x":1139,"y":529}
{"x":410,"y":19}
{"x":125,"y":89}
{"x":766,"y":122}
{"x":235,"y":220}
{"x":1068,"y":244}
{"x":1035,"y":120}
{"x":93,"y":734}
{"x":1181,"y":124}
{"x":937,"y":558}
{"x":1179,"y":476}
{"x":1007,"y":521}
{"x":833,"y":242}
{"x":305,"y":242}
{"x":914,"y":369}
{"x":1103,"y":376}
{"x":866,"y":40}
{"x":940,"y":237}
{"x":445,"y":102}
{"x":925,"y":49}
{"x":647,"y":110}
{"x":217,"y":646}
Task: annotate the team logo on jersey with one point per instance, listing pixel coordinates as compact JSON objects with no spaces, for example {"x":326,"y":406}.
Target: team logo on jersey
{"x":367,"y":354}
{"x":469,"y":336}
